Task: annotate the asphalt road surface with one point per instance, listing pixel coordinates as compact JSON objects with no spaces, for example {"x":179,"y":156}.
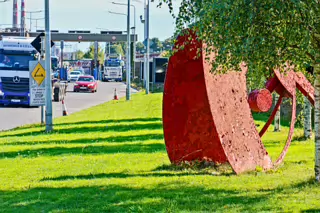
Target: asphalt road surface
{"x":12,"y":117}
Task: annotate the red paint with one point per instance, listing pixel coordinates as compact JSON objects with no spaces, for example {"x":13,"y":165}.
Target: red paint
{"x":205,"y":115}
{"x":260,"y":100}
{"x":208,"y":117}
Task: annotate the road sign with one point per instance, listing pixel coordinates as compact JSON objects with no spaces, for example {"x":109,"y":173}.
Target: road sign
{"x":114,"y":38}
{"x":36,"y":43}
{"x":37,"y":88}
{"x":80,"y":37}
{"x":38,"y":74}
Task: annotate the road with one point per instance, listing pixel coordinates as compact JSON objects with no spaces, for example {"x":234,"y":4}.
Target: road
{"x":12,"y":117}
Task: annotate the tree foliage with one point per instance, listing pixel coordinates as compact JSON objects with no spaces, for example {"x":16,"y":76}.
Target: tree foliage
{"x":90,"y":52}
{"x":80,"y":54}
{"x":264,"y":34}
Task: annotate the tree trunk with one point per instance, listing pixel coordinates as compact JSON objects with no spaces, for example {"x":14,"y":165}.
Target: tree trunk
{"x":307,"y":119}
{"x":277,"y":117}
{"x":317,"y":121}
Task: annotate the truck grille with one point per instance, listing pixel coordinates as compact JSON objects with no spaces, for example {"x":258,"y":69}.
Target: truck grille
{"x":9,"y":86}
{"x":22,"y":98}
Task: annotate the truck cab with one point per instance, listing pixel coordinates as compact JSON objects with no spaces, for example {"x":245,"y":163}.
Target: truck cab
{"x":113,"y":68}
{"x":15,"y":54}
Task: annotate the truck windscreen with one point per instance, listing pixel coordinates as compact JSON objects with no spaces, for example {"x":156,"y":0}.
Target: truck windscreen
{"x":112,"y":63}
{"x":15,"y":61}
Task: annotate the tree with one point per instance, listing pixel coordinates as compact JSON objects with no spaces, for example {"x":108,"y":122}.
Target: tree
{"x":79,"y":54}
{"x":140,"y":47}
{"x":155,"y":44}
{"x":90,"y":52}
{"x":260,"y":33}
{"x":116,"y":49}
{"x":167,"y":43}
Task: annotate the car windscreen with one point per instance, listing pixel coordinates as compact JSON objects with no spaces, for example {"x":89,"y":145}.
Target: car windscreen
{"x":75,"y":73}
{"x":85,"y":79}
{"x":15,"y":62}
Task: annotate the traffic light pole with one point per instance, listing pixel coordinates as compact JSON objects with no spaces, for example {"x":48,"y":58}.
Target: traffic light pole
{"x":39,"y":59}
{"x":96,"y":46}
{"x":49,"y":125}
{"x":146,"y":28}
{"x":128,"y":71}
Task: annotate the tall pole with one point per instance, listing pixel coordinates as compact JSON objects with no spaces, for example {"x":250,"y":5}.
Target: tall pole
{"x":134,"y":32}
{"x":40,"y":59}
{"x":49,"y":125}
{"x":96,"y":59}
{"x":15,"y":14}
{"x":146,"y":28}
{"x":30,"y":22}
{"x":134,"y":41}
{"x":61,"y":52}
{"x":128,"y":72}
{"x":23,"y":18}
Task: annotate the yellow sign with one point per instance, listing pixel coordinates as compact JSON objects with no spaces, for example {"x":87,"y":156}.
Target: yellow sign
{"x":39,"y":74}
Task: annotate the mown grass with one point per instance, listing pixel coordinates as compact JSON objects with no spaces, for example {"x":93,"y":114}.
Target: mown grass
{"x":112,"y":158}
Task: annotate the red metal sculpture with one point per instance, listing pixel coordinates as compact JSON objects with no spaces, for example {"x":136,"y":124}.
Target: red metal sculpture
{"x":208,"y":117}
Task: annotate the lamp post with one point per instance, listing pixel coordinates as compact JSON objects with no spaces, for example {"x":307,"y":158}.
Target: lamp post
{"x":31,"y":12}
{"x":107,"y":44}
{"x":134,"y":33}
{"x":145,"y":21}
{"x":128,"y":70}
{"x":35,"y":19}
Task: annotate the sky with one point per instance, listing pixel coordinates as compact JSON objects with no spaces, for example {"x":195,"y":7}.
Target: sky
{"x":89,"y":15}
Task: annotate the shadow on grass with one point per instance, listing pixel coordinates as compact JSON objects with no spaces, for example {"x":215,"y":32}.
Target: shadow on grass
{"x":123,"y":175}
{"x":111,"y":139}
{"x":311,"y":211}
{"x":86,"y":150}
{"x":170,"y":197}
{"x":86,"y":129}
{"x":105,"y":121}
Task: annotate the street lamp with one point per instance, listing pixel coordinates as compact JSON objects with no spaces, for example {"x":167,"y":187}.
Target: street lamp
{"x":35,"y":19}
{"x":128,"y":70}
{"x":31,"y":12}
{"x":134,"y":33}
{"x":145,"y":21}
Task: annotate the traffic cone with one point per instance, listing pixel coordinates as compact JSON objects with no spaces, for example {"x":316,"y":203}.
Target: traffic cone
{"x":64,"y":109}
{"x":115,"y":97}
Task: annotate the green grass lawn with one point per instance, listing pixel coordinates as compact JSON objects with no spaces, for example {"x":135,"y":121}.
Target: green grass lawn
{"x":112,"y":158}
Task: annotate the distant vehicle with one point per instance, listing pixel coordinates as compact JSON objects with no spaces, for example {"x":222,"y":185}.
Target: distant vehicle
{"x":86,"y":83}
{"x":74,"y":75}
{"x":54,"y":63}
{"x":113,"y":68}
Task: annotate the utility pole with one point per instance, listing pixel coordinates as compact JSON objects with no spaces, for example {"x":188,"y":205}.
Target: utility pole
{"x":147,"y":49}
{"x":128,"y":71}
{"x":49,"y":125}
{"x":134,"y":32}
{"x":63,"y":72}
{"x":39,"y":59}
{"x":96,"y":69}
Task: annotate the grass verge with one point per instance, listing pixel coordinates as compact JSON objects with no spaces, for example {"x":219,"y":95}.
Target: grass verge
{"x":112,"y":158}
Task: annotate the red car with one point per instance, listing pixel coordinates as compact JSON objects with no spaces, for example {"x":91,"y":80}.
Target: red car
{"x":85,"y":83}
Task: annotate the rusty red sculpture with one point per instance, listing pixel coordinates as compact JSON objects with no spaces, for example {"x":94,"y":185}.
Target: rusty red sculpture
{"x":208,"y":117}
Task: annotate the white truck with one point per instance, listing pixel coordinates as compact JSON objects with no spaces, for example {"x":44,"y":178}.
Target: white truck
{"x":15,"y":54}
{"x":113,"y":68}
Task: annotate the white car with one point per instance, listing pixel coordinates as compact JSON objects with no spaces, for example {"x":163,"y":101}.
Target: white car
{"x":74,"y":75}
